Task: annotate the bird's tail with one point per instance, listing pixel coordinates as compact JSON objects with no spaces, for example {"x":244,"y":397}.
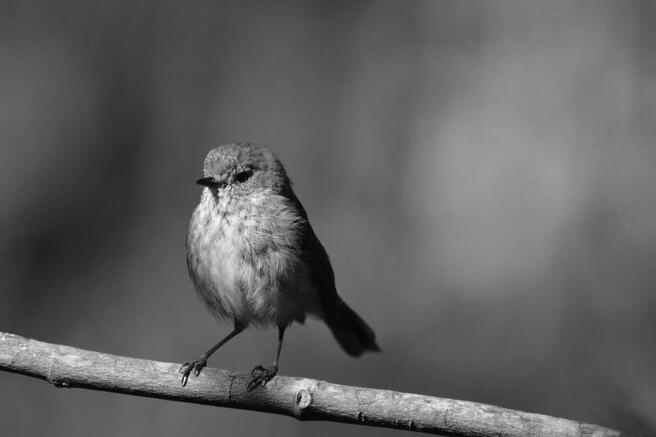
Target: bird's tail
{"x":350,"y":331}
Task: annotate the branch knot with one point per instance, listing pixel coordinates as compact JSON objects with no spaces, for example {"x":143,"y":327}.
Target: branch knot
{"x":303,"y":399}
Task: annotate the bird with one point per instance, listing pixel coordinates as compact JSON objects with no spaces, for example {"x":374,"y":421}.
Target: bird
{"x":255,"y":260}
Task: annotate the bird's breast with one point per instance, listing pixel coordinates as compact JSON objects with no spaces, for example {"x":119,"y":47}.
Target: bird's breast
{"x":242,"y":254}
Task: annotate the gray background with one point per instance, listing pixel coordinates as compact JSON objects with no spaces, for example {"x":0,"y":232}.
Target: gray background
{"x":482,"y":174}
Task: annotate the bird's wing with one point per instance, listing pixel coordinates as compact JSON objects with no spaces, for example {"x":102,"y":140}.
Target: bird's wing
{"x":316,"y":260}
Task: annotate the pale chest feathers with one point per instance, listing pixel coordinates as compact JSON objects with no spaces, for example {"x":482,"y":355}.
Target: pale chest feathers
{"x":243,"y":254}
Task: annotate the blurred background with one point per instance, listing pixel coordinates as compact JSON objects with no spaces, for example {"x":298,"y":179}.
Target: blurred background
{"x":482,"y":174}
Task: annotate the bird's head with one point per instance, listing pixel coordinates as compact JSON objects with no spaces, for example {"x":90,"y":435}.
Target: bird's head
{"x":243,"y":167}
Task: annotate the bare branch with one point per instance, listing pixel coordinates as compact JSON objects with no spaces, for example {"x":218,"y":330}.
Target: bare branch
{"x":304,"y":399}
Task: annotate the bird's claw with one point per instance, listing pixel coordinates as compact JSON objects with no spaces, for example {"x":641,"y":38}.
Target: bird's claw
{"x":196,"y":366}
{"x":261,"y":375}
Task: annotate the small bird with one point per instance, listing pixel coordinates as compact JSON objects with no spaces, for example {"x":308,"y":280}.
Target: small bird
{"x":254,"y":258}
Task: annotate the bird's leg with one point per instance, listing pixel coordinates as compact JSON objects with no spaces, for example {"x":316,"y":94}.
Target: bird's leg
{"x":260,"y":374}
{"x":201,"y":362}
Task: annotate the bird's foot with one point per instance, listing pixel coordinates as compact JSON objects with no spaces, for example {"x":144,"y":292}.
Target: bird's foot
{"x":261,"y":375}
{"x":196,"y":366}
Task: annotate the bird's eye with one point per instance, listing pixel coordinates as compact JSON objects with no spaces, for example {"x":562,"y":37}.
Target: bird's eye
{"x":243,"y":176}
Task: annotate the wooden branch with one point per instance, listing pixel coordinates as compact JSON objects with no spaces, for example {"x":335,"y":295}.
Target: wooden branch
{"x":301,"y":398}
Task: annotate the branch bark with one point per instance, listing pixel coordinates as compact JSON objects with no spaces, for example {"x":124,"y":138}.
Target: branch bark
{"x":301,"y":398}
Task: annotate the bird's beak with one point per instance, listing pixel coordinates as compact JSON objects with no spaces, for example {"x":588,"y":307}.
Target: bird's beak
{"x":211,"y":182}
{"x":207,"y":182}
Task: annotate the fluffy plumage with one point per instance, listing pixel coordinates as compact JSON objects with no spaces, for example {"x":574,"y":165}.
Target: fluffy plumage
{"x":253,"y":255}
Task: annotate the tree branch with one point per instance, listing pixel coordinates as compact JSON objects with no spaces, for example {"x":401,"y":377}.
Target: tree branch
{"x":302,"y":398}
